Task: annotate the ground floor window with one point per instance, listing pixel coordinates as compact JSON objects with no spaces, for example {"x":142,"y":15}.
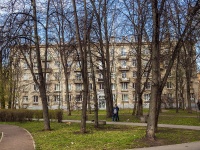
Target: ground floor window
{"x":25,"y":99}
{"x":35,"y":99}
{"x":124,"y":97}
{"x":147,"y":96}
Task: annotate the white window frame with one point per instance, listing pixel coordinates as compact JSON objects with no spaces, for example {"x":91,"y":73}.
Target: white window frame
{"x":56,"y":98}
{"x":169,"y":85}
{"x":25,"y":76}
{"x":123,"y":74}
{"x":57,"y":87}
{"x":147,"y":96}
{"x":134,"y":74}
{"x":35,"y":87}
{"x":101,"y":86}
{"x":147,"y":85}
{"x":134,"y":62}
{"x":123,"y":52}
{"x":123,"y":63}
{"x":35,"y":99}
{"x":124,"y":97}
{"x":78,"y":87}
{"x":113,"y":86}
{"x":124,"y":86}
{"x":25,"y":99}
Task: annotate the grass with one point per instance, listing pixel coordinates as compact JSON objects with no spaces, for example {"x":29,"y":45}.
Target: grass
{"x":64,"y":136}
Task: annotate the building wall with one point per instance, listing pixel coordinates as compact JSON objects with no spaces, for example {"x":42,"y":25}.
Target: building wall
{"x":123,"y":78}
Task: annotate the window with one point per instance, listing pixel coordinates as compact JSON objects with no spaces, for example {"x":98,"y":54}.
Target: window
{"x":169,"y":95}
{"x":78,"y":76}
{"x":25,"y":65}
{"x":145,"y":74}
{"x":145,"y":63}
{"x":100,"y":65}
{"x":57,"y":64}
{"x":70,"y":97}
{"x":90,"y":86}
{"x":25,"y":76}
{"x":112,"y":52}
{"x":57,"y":75}
{"x":147,"y":97}
{"x":69,"y":63}
{"x":124,"y":97}
{"x":78,"y":87}
{"x":124,"y":74}
{"x":146,"y":51}
{"x":147,"y":85}
{"x":112,"y":86}
{"x":124,"y":86}
{"x":37,"y":76}
{"x":36,"y":87}
{"x":78,"y":65}
{"x":113,"y":97}
{"x":134,"y":85}
{"x":169,"y":85}
{"x":25,"y":99}
{"x":78,"y":98}
{"x":123,"y":52}
{"x":47,"y":76}
{"x":69,"y":87}
{"x":123,"y":63}
{"x":112,"y":75}
{"x":134,"y":62}
{"x":101,"y":86}
{"x":134,"y":74}
{"x":57,"y":87}
{"x":47,"y":87}
{"x":56,"y":98}
{"x":35,"y":99}
{"x":100,"y":76}
{"x":48,"y":64}
{"x":35,"y":65}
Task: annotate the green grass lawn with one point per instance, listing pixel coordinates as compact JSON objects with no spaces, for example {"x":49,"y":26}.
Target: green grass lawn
{"x":109,"y":137}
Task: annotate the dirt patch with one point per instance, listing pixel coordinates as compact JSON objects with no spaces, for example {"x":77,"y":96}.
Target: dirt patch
{"x":150,"y":143}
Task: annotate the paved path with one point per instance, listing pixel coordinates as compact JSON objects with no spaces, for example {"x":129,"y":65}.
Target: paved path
{"x":15,"y":138}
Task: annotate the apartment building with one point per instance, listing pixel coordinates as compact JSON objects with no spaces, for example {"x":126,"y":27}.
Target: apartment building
{"x":123,"y":77}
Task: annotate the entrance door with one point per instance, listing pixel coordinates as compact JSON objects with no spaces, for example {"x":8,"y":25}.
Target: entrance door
{"x":102,"y":104}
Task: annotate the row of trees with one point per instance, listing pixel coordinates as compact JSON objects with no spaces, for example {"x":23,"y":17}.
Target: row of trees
{"x":82,"y":29}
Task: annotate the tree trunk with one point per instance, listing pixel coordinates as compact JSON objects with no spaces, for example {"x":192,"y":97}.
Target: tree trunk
{"x":42,"y":86}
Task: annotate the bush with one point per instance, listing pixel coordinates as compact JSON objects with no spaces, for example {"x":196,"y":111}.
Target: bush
{"x":56,"y":114}
{"x":9,"y":115}
{"x":38,"y":114}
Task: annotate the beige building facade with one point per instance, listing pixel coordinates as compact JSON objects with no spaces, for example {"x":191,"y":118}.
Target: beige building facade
{"x":123,"y":77}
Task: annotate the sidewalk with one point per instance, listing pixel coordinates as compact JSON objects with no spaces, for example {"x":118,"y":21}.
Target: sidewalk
{"x":15,"y":138}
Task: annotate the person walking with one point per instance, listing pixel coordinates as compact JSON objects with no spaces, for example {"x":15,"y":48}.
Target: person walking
{"x":115,"y":113}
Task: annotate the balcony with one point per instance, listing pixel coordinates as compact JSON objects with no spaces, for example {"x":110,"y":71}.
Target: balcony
{"x":124,"y":80}
{"x":124,"y":68}
{"x":77,"y":70}
{"x":78,"y":81}
{"x":123,"y":57}
{"x":48,"y":59}
{"x":100,"y":80}
{"x":99,"y":68}
{"x":48,"y":70}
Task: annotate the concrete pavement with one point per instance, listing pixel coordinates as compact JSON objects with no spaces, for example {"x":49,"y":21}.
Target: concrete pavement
{"x":15,"y":138}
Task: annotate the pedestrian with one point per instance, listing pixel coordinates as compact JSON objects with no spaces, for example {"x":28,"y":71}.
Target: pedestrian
{"x":198,"y":104}
{"x":115,"y":113}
